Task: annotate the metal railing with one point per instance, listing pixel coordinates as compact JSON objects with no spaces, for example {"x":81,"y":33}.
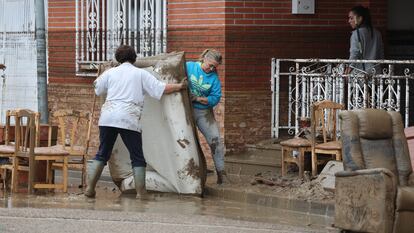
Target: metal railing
{"x":297,"y":83}
{"x":103,"y":25}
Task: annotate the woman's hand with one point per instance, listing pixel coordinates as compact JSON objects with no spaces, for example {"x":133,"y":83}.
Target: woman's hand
{"x":184,"y":83}
{"x":202,"y":100}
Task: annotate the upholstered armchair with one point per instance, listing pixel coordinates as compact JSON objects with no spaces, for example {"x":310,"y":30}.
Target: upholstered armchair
{"x":375,"y":193}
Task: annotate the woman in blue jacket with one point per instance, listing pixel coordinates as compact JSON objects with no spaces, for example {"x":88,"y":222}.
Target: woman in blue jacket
{"x":205,"y":88}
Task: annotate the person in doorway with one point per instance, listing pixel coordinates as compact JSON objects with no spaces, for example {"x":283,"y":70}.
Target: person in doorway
{"x":125,"y":87}
{"x":366,"y":41}
{"x":205,"y":91}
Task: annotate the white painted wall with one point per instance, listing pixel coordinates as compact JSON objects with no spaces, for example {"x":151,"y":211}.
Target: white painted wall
{"x":18,"y":52}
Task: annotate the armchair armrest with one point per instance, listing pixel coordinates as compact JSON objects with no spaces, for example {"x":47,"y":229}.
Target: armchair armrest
{"x":373,"y":171}
{"x":411,"y":179}
{"x":364,"y":200}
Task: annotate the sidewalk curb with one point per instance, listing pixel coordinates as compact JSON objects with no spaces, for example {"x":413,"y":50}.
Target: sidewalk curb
{"x":228,"y":193}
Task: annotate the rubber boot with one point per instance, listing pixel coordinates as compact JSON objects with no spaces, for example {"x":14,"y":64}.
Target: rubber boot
{"x":222,"y":178}
{"x":139,"y":179}
{"x":95,"y":171}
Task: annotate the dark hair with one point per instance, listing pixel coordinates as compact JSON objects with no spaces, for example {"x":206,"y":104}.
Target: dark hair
{"x":365,"y":14}
{"x":125,"y":53}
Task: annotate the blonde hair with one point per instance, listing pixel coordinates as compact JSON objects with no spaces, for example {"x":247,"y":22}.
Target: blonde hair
{"x":210,"y":54}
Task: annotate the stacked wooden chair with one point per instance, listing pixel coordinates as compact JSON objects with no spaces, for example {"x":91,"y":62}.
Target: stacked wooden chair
{"x":27,"y":154}
{"x":26,"y":150}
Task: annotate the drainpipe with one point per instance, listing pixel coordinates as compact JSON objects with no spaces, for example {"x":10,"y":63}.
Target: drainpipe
{"x":41,"y":61}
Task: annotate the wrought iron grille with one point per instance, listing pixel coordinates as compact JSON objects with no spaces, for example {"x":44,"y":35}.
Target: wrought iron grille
{"x":297,"y":83}
{"x":103,"y":25}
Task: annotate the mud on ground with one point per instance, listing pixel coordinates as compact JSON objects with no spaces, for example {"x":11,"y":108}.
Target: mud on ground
{"x":290,"y":186}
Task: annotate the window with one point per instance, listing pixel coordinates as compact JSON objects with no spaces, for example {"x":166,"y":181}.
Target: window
{"x":103,"y":25}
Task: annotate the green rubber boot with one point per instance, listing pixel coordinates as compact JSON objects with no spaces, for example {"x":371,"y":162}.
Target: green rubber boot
{"x":95,"y":171}
{"x":139,"y":179}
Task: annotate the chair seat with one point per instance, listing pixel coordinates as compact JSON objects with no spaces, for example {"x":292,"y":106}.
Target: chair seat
{"x":75,"y":150}
{"x":334,"y":145}
{"x":73,"y":166}
{"x":6,"y":149}
{"x":296,"y":142}
{"x":405,"y":199}
{"x":52,"y":150}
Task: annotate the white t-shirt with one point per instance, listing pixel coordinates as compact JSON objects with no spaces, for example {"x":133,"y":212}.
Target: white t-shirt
{"x":125,"y":87}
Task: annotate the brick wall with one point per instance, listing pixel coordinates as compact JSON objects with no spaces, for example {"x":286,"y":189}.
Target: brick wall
{"x":255,"y":32}
{"x":248,"y":33}
{"x":62,"y":42}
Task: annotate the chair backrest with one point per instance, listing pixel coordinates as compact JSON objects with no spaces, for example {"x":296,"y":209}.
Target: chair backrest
{"x":25,"y":131}
{"x":74,"y":129}
{"x":7,"y":132}
{"x":374,"y":138}
{"x":323,"y":120}
{"x":37,"y":126}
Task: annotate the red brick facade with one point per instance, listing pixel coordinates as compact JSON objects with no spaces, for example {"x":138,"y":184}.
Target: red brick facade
{"x":248,"y":33}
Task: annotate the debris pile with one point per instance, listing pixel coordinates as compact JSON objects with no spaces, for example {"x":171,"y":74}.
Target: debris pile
{"x":293,"y":187}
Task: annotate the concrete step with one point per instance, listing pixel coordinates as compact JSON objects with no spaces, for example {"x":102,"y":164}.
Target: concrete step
{"x":262,"y":157}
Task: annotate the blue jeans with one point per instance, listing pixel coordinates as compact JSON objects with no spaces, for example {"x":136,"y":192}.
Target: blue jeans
{"x":208,"y":126}
{"x":131,"y":139}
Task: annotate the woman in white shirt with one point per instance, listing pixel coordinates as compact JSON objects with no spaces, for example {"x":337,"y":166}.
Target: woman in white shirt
{"x":125,"y":87}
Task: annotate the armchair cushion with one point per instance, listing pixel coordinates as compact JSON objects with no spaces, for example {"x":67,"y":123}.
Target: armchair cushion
{"x":379,"y":154}
{"x":374,"y":125}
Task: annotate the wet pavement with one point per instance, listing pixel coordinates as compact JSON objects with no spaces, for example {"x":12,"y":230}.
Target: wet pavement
{"x":53,"y":212}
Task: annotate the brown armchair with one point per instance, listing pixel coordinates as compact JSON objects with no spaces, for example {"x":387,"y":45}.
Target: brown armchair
{"x":375,"y":193}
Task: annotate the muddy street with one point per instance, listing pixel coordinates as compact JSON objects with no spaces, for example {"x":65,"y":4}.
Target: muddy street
{"x":112,"y":211}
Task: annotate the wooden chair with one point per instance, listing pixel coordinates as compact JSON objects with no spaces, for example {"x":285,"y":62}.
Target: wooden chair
{"x":24,"y":134}
{"x":6,"y":151}
{"x":74,"y":135}
{"x":324,"y":131}
{"x":300,"y":145}
{"x":25,"y":151}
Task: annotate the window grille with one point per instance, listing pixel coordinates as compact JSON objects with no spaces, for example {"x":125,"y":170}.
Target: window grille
{"x":103,"y":25}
